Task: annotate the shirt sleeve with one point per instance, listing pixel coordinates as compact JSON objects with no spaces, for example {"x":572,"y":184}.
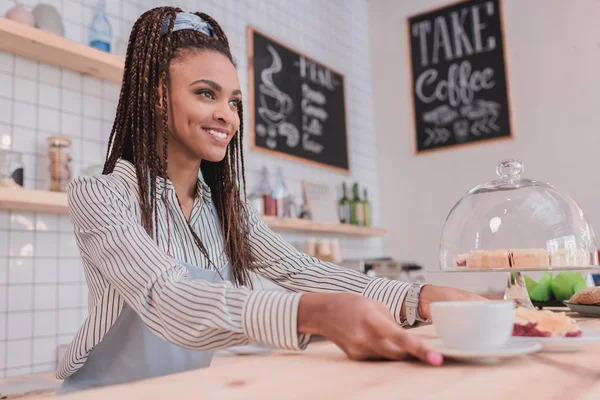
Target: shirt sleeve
{"x":194,"y":314}
{"x":279,"y":261}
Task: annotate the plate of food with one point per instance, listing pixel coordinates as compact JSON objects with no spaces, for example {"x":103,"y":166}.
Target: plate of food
{"x":555,"y":331}
{"x":586,"y":302}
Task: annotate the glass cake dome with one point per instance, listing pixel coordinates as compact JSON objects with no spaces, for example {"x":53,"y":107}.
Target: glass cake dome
{"x":514,"y":223}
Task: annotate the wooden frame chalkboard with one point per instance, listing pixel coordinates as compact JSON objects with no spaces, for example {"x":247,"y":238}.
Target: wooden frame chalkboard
{"x":297,"y":105}
{"x":459,"y":83}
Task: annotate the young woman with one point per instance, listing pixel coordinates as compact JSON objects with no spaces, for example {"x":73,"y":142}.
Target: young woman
{"x":168,"y":243}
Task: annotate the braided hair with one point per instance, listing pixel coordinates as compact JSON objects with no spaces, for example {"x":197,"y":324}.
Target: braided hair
{"x":135,"y":131}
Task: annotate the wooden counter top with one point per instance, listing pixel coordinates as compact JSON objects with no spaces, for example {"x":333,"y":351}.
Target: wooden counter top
{"x":324,"y":372}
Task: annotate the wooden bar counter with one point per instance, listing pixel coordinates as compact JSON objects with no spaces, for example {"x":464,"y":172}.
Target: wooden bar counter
{"x":324,"y":372}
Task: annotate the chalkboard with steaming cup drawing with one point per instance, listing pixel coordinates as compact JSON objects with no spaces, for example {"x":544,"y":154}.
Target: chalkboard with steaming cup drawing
{"x":459,"y":82}
{"x":297,"y":105}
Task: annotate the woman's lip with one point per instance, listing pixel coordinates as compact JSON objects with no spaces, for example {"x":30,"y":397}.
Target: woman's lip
{"x":217,"y":139}
{"x":225,"y":131}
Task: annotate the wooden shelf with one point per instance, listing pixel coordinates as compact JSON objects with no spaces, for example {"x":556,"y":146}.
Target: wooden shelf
{"x":33,"y":201}
{"x":53,"y":202}
{"x":303,"y":225}
{"x":56,"y":50}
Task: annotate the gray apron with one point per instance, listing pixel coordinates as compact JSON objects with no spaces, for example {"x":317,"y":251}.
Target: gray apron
{"x":130,"y":351}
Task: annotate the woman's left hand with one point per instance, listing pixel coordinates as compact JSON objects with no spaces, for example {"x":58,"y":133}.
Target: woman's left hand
{"x":431,"y":294}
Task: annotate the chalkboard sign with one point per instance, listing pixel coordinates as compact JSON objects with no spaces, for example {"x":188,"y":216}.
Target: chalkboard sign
{"x":459,"y":79}
{"x":297,"y":105}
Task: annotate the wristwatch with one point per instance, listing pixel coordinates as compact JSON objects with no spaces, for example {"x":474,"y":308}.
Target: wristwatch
{"x":412,"y":303}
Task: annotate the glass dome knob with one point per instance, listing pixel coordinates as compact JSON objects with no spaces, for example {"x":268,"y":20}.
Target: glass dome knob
{"x":509,"y":169}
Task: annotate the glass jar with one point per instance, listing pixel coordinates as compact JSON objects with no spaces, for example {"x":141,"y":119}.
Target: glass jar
{"x":11,"y":169}
{"x":60,"y":162}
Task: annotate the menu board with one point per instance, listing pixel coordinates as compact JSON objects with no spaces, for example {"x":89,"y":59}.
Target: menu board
{"x":297,"y":105}
{"x":459,"y":83}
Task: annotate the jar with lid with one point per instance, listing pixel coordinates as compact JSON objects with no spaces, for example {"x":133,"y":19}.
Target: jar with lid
{"x":60,"y":162}
{"x":11,"y":169}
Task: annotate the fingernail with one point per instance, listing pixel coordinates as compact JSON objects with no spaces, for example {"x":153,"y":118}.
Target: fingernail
{"x":435,"y":359}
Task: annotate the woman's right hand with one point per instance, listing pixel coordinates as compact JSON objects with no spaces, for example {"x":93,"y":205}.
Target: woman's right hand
{"x":362,"y":328}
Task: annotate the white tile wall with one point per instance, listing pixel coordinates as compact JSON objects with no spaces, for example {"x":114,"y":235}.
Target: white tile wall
{"x":43,"y":297}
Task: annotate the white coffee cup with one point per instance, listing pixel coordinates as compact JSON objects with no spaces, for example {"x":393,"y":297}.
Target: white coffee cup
{"x":473,"y":325}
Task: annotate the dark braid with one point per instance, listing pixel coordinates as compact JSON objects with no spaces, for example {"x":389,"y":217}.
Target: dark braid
{"x":137,"y":128}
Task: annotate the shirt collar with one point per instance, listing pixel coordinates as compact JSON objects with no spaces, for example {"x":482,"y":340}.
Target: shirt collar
{"x":126,"y":171}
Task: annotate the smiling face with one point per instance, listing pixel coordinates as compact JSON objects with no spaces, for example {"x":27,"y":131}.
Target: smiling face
{"x":203,"y":101}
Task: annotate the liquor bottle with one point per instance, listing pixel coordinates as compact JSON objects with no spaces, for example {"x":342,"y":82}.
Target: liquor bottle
{"x":264,"y":190}
{"x":280,"y":195}
{"x":100,"y":34}
{"x":356,"y":208}
{"x":344,"y":207}
{"x":368,"y":217}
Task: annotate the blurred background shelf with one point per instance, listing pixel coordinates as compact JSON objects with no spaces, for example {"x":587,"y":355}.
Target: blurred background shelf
{"x":53,"y":202}
{"x":303,"y":225}
{"x":33,"y":43}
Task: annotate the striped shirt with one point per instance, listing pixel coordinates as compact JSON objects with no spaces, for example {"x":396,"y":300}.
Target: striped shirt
{"x":123,"y":264}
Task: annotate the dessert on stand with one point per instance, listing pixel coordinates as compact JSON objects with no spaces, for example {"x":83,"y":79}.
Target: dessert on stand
{"x":513,"y":224}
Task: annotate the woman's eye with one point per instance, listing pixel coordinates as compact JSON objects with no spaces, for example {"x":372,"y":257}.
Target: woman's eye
{"x":235,"y":103}
{"x":206,"y":93}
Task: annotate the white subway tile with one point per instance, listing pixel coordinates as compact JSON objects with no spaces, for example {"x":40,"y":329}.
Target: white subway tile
{"x":21,"y":244}
{"x":68,"y":295}
{"x":49,"y":120}
{"x":49,"y":96}
{"x":24,"y":115}
{"x":25,"y":90}
{"x":72,"y":80}
{"x":65,"y":224}
{"x":7,"y":62}
{"x":92,"y":86}
{"x":71,"y":124}
{"x":4,"y":270}
{"x":45,"y":270}
{"x":6,"y":110}
{"x":68,"y":246}
{"x":44,"y":350}
{"x":65,"y":339}
{"x":46,"y":244}
{"x":68,"y":321}
{"x":109,"y":109}
{"x":44,"y":323}
{"x":41,"y":368}
{"x":92,"y":129}
{"x":3,"y":298}
{"x":23,"y":140}
{"x":4,"y":245}
{"x":20,"y":325}
{"x":92,"y":106}
{"x":20,"y":298}
{"x":71,"y":101}
{"x":72,"y":11}
{"x":74,"y":32}
{"x":46,"y":222}
{"x":6,"y":85}
{"x":70,"y":270}
{"x":50,"y":75}
{"x":26,"y":68}
{"x":18,"y":354}
{"x":110,"y":91}
{"x":45,"y":297}
{"x":3,"y":318}
{"x":20,"y":271}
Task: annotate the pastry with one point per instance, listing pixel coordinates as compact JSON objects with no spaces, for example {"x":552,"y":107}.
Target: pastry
{"x":544,"y":323}
{"x":460,"y":261}
{"x":488,"y":259}
{"x":529,"y":258}
{"x":588,"y":296}
{"x":570,"y":258}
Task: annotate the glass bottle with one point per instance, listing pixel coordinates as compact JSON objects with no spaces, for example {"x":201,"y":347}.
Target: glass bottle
{"x":367,"y":212}
{"x":264,"y":190}
{"x":60,"y":162}
{"x":100,"y":32}
{"x":344,"y":206}
{"x":356,"y":208}
{"x":280,"y":194}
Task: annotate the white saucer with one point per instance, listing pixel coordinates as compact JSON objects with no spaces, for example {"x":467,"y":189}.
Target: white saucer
{"x":511,"y":349}
{"x":588,"y":336}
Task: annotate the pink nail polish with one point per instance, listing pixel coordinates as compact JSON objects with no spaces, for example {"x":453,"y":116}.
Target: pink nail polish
{"x":435,"y":359}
